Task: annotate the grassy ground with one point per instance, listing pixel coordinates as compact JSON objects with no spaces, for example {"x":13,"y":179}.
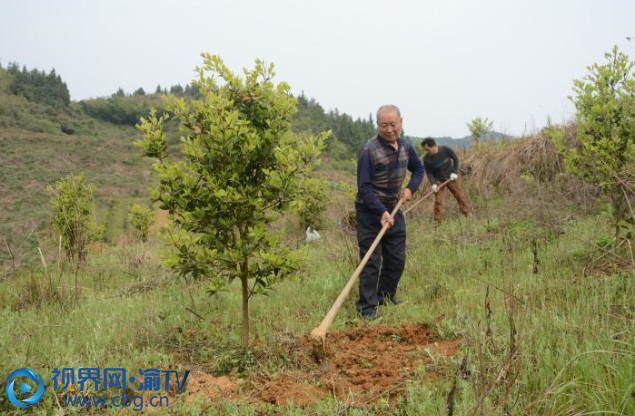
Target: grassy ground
{"x":40,"y":145}
{"x":533,"y":286}
{"x":556,"y":340}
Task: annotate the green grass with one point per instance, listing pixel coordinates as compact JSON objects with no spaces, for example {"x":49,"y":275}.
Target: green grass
{"x":571,"y":324}
{"x":575,"y":331}
{"x":35,"y":153}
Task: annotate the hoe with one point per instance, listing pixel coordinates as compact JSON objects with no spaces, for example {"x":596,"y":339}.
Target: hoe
{"x":318,"y":335}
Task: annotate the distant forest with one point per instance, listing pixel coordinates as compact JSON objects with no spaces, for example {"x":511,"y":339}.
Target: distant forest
{"x":38,"y":86}
{"x":349,"y":134}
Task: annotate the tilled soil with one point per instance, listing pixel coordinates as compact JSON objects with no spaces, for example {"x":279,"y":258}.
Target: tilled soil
{"x":364,"y":364}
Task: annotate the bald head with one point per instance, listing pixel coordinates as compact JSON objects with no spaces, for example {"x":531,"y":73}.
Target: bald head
{"x":388,"y":108}
{"x":389,"y":122}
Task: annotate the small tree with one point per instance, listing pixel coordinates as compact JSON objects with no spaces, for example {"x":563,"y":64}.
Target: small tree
{"x":140,"y":218}
{"x":479,"y":128}
{"x":311,"y":206}
{"x":72,"y":205}
{"x":242,"y":166}
{"x":605,"y":112}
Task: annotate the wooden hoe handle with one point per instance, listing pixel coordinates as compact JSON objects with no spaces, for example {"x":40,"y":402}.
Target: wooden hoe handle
{"x":320,"y":331}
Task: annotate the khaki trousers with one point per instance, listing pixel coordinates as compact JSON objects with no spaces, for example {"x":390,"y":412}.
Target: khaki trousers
{"x":459,"y":195}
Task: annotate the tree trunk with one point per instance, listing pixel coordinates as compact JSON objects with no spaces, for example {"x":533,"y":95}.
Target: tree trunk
{"x":245,"y":290}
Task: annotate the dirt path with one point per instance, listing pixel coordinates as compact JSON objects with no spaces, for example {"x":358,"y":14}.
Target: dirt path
{"x":161,"y":218}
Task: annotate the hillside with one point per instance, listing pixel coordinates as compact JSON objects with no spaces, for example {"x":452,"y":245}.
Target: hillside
{"x":526,"y":308}
{"x":40,"y":144}
{"x":465,"y":143}
{"x":42,"y":141}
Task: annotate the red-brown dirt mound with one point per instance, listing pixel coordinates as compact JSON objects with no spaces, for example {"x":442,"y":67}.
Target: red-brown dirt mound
{"x":363,"y":364}
{"x":368,"y":361}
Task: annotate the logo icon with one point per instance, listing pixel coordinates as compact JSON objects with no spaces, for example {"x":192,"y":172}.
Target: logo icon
{"x":25,"y":372}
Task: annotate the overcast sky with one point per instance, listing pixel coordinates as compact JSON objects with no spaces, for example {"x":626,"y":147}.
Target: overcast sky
{"x":442,"y":62}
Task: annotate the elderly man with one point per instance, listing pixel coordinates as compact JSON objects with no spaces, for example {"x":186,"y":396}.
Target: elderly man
{"x":381,"y":170}
{"x":442,"y":164}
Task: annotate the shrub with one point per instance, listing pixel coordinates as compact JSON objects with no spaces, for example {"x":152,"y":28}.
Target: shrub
{"x":72,"y":207}
{"x":140,"y":218}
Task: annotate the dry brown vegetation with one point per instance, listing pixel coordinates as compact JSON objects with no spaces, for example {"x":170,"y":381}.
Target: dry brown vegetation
{"x":528,"y":173}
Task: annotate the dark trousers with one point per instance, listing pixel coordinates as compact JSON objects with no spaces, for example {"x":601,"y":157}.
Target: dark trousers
{"x":380,"y":276}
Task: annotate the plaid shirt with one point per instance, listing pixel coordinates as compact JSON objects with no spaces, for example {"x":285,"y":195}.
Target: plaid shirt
{"x":381,"y":171}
